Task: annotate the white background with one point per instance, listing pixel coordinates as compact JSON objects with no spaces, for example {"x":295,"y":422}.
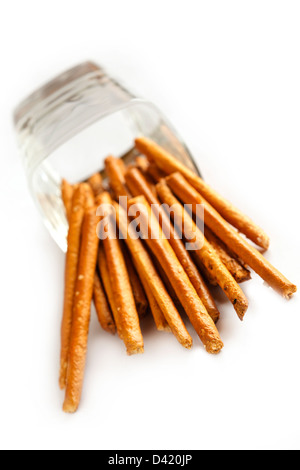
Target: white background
{"x":227,"y":74}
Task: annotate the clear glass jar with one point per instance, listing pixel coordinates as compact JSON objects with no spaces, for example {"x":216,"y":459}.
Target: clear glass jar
{"x":67,"y":128}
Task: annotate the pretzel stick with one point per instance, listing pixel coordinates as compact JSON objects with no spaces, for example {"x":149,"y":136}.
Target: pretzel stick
{"x":170,"y":164}
{"x":95,"y":181}
{"x":120,"y":283}
{"x":138,"y":186}
{"x":156,"y":173}
{"x":154,"y":287}
{"x":71,"y":264}
{"x":206,"y":273}
{"x":157,"y":312}
{"x":164,"y":277}
{"x":103,"y":269}
{"x":159,"y":318}
{"x":102,"y":308}
{"x":94,"y":189}
{"x":67,"y":194}
{"x":81,"y":311}
{"x":89,"y":195}
{"x":142,"y":163}
{"x":115,"y":173}
{"x":137,"y":288}
{"x":239,"y":272}
{"x":87,"y":200}
{"x":205,"y":253}
{"x":121,"y":165}
{"x":137,"y":183}
{"x":185,"y":291}
{"x":105,"y":278}
{"x":231,"y":238}
{"x":67,"y":191}
{"x":144,"y":188}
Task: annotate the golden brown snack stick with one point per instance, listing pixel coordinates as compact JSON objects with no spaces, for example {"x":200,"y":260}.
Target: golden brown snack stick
{"x":152,"y":282}
{"x":95,"y":181}
{"x":138,"y":186}
{"x":156,"y":173}
{"x":158,"y":316}
{"x":89,"y":195}
{"x":207,"y":274}
{"x":121,"y":165}
{"x":230,"y":237}
{"x":87,"y":201}
{"x":165,"y":279}
{"x":142,"y":163}
{"x":67,"y":195}
{"x":185,"y":291}
{"x":115,"y":172}
{"x":205,"y":253}
{"x":71,"y":265}
{"x":239,"y":272}
{"x":170,"y":164}
{"x":81,"y":311}
{"x":94,"y":189}
{"x":137,"y":288}
{"x":120,"y":283}
{"x":102,"y":308}
{"x":103,"y":269}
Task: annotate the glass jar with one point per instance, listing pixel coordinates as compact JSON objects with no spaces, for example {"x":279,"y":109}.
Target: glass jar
{"x":67,"y":128}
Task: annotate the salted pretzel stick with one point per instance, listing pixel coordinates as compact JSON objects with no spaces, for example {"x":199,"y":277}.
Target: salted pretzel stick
{"x":93,"y":189}
{"x":205,"y":253}
{"x":142,"y":163}
{"x":156,"y":173}
{"x":95,"y":181}
{"x":170,"y":164}
{"x":137,"y":288}
{"x":137,"y":183}
{"x":138,"y":186}
{"x":87,"y":200}
{"x":206,"y":273}
{"x":116,"y":178}
{"x":105,"y":279}
{"x":89,"y":195}
{"x":121,"y":165}
{"x":103,"y":269}
{"x":120,"y":283}
{"x":67,"y":194}
{"x":239,"y":272}
{"x":102,"y":308}
{"x":231,"y":238}
{"x":159,"y":318}
{"x":90,"y":202}
{"x":81,"y":311}
{"x":71,"y":264}
{"x":190,"y":301}
{"x":143,"y":188}
{"x":164,"y":277}
{"x":152,"y":282}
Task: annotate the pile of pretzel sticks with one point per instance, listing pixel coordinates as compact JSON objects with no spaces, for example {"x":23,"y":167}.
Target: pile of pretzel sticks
{"x":128,"y":276}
